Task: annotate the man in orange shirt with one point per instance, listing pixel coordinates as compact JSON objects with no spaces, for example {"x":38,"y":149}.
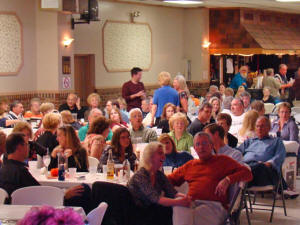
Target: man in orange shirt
{"x":209,"y":178}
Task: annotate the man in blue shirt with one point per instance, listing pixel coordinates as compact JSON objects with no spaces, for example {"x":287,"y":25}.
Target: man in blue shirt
{"x":263,"y":154}
{"x":240,"y":78}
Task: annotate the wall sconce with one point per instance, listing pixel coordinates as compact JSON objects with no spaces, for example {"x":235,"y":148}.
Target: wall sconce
{"x":133,"y":15}
{"x":206,"y":44}
{"x":67,"y":42}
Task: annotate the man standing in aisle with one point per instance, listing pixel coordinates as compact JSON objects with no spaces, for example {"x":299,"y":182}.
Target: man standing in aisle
{"x":133,"y":91}
{"x":285,"y":85}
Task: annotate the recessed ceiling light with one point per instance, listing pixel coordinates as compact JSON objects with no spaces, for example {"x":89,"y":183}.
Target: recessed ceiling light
{"x":288,"y":0}
{"x":183,"y":2}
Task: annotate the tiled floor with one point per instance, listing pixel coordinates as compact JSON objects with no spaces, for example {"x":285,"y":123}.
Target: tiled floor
{"x":259,"y":217}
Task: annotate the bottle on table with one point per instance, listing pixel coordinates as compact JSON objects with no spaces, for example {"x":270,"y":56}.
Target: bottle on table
{"x":62,"y":166}
{"x":126,"y":168}
{"x":110,"y":166}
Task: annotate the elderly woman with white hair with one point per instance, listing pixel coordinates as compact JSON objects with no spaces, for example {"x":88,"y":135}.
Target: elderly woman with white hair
{"x":152,"y":192}
{"x":138,"y":130}
{"x":165,"y":94}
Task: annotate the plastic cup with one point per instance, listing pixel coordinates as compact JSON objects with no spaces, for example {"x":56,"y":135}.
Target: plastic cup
{"x":93,"y":169}
{"x":32,"y":165}
{"x":72,"y":172}
{"x":168,"y":170}
{"x":104,"y":169}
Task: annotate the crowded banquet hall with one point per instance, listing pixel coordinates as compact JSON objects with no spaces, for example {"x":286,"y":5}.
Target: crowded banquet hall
{"x":149,"y":112}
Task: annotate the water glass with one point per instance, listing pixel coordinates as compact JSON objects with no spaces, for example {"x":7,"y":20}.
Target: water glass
{"x":93,"y":169}
{"x":72,"y":172}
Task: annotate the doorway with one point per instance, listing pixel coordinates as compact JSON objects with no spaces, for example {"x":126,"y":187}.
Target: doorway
{"x":84,"y":75}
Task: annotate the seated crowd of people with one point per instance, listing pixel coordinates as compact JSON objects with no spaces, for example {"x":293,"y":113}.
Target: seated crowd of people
{"x":210,"y":146}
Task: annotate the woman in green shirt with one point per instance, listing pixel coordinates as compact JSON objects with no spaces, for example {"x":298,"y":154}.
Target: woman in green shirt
{"x":178,"y":124}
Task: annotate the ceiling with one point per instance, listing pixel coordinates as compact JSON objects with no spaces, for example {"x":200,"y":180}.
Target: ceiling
{"x":258,"y":4}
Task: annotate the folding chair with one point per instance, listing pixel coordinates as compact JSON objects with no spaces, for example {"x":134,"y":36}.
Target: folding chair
{"x":278,"y":188}
{"x":237,"y":203}
{"x":269,"y":107}
{"x":95,"y":217}
{"x":3,"y":196}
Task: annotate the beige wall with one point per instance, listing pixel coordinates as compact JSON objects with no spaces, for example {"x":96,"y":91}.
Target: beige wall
{"x":177,"y":35}
{"x":196,"y":31}
{"x":43,"y":33}
{"x":26,"y":79}
{"x":65,"y":31}
{"x":167,"y":34}
{"x":47,"y":50}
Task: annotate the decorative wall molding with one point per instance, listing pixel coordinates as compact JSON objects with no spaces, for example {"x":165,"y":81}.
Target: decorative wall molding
{"x":11,"y":44}
{"x":126,"y":45}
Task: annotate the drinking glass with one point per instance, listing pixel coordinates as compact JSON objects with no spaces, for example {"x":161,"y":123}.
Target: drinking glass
{"x":46,"y":160}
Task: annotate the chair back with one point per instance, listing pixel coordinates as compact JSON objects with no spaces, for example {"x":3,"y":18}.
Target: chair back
{"x":297,"y":118}
{"x":93,"y":162}
{"x":269,"y":108}
{"x":95,"y":217}
{"x":38,"y":195}
{"x":3,"y":196}
{"x":236,"y":192}
{"x":295,"y":110}
{"x":275,"y":110}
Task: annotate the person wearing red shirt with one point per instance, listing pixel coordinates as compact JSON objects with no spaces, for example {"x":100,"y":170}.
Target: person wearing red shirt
{"x":133,"y":91}
{"x":209,"y":178}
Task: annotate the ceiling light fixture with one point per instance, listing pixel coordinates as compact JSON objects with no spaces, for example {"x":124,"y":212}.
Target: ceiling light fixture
{"x":183,"y":2}
{"x":287,"y":0}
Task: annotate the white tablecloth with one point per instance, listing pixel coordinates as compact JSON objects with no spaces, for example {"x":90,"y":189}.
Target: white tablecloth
{"x":17,"y":212}
{"x":89,"y":179}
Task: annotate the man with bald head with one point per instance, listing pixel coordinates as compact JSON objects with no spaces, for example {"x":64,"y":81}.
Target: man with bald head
{"x":240,"y":79}
{"x":209,"y":179}
{"x":264,"y":154}
{"x":237,"y":115}
{"x":73,"y":105}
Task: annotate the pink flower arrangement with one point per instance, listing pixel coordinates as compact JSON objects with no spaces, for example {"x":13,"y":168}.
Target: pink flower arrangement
{"x":47,"y":215}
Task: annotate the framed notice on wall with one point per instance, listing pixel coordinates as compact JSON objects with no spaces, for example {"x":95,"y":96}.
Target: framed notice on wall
{"x":66,"y":65}
{"x":126,"y":45}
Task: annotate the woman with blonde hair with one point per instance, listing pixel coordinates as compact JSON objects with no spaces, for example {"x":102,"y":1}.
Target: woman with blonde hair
{"x":178,"y":124}
{"x":168,"y":111}
{"x":68,"y":119}
{"x":51,"y":122}
{"x":152,"y":192}
{"x":180,"y":86}
{"x":216,"y":106}
{"x":165,"y":94}
{"x":248,"y":128}
{"x":93,"y":101}
{"x":70,"y":146}
{"x":173,"y":158}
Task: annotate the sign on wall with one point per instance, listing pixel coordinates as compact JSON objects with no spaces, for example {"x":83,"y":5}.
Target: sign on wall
{"x":126,"y":45}
{"x":66,"y":82}
{"x":11,"y":44}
